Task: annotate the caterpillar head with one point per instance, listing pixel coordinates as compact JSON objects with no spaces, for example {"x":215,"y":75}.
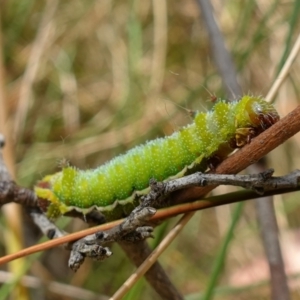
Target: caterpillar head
{"x":254,"y":115}
{"x":261,"y":114}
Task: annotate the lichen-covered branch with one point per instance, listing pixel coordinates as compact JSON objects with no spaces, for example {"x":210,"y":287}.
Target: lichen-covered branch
{"x":133,"y":228}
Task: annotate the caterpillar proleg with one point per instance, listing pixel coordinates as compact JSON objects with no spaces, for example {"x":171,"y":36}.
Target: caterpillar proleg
{"x":111,"y":188}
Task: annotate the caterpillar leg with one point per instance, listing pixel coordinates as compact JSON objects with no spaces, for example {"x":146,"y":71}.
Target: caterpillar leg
{"x":213,"y":162}
{"x":244,"y":136}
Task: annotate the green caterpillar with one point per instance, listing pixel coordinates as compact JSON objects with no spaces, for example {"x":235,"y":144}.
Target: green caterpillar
{"x":112,"y":188}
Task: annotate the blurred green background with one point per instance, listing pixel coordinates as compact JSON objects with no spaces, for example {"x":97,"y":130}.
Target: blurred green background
{"x":87,"y":80}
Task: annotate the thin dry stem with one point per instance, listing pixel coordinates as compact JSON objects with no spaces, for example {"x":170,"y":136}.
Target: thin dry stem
{"x":221,"y":55}
{"x":284,"y":71}
{"x":37,"y":51}
{"x":61,"y":289}
{"x":13,"y":235}
{"x":145,"y":266}
{"x":160,"y":44}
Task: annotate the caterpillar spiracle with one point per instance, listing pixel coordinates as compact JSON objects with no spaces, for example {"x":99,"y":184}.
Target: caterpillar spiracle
{"x":112,"y":187}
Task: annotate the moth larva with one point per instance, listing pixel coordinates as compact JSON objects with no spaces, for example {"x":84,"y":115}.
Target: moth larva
{"x":111,"y":187}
